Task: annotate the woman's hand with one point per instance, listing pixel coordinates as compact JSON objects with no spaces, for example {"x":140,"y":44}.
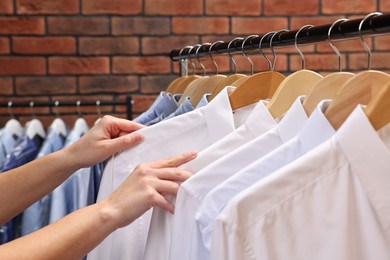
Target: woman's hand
{"x":145,"y":188}
{"x":109,"y":136}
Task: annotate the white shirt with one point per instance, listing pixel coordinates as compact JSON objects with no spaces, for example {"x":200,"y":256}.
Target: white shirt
{"x":316,"y":131}
{"x":192,"y":191}
{"x":332,"y":203}
{"x":258,"y":122}
{"x":192,"y":131}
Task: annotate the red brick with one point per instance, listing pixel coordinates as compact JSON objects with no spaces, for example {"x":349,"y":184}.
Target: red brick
{"x":78,"y":66}
{"x":22,"y":25}
{"x":344,"y":46}
{"x":142,"y":102}
{"x":348,"y":6}
{"x":24,"y":110}
{"x":108,"y":84}
{"x":84,"y":109}
{"x":155,"y":84}
{"x":379,"y":61}
{"x":200,"y":25}
{"x":6,"y":7}
{"x":233,"y":7}
{"x":247,"y":26}
{"x":47,"y":45}
{"x":382,"y":43}
{"x":297,"y":22}
{"x":286,"y":7}
{"x":78,"y":25}
{"x":45,"y":85}
{"x":108,"y":45}
{"x":163,"y":45}
{"x":140,"y":26}
{"x":22,"y":66}
{"x":6,"y":86}
{"x":259,"y":63}
{"x":47,"y":6}
{"x":4,"y":45}
{"x":316,"y":62}
{"x":223,"y":63}
{"x":141,"y":65}
{"x":384,"y":6}
{"x":120,"y":7}
{"x":173,"y":7}
{"x":214,"y":38}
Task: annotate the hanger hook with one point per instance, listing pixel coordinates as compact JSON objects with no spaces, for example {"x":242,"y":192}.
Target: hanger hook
{"x":189,"y":57}
{"x":182,"y":60}
{"x":339,"y":21}
{"x":204,"y":46}
{"x":99,"y":113}
{"x":261,"y":50}
{"x":230,"y":55}
{"x":56,"y":105}
{"x":211,"y":56}
{"x":10,"y":110}
{"x":243,"y":52}
{"x":78,"y":103}
{"x":296,"y":42}
{"x":361,"y":37}
{"x":197,"y":58}
{"x":32,"y":109}
{"x":272,"y":48}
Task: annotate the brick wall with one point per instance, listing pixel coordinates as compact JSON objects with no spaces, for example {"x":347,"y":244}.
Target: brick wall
{"x":71,"y":50}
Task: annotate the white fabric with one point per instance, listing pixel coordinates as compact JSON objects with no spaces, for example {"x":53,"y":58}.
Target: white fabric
{"x":258,"y":122}
{"x":192,"y":192}
{"x":192,"y":131}
{"x":332,"y":203}
{"x":316,"y":131}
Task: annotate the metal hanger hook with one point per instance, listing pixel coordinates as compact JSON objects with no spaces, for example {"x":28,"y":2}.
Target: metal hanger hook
{"x":272,"y":48}
{"x":197,"y":58}
{"x":78,"y":103}
{"x":204,"y":46}
{"x":296,"y":42}
{"x":56,"y":105}
{"x":338,"y":22}
{"x":32,"y":109}
{"x":182,"y":60}
{"x":230,"y":55}
{"x":243,"y":52}
{"x":10,"y":110}
{"x":211,"y":56}
{"x":261,"y":49}
{"x":189,"y":57}
{"x":99,"y":113}
{"x":361,"y":37}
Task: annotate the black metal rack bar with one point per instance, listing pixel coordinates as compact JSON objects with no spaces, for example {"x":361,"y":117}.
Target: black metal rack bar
{"x":127,"y":103}
{"x":373,"y":26}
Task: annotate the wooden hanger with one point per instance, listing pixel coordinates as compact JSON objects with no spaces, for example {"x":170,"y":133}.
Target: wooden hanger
{"x":228,"y":81}
{"x":181,"y":86}
{"x":327,"y":87}
{"x":259,"y":86}
{"x":357,"y":90}
{"x":378,"y":109}
{"x":207,"y":86}
{"x":297,"y":84}
{"x":173,"y":84}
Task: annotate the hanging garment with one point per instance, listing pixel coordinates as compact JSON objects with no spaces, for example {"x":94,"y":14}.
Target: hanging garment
{"x":193,"y":191}
{"x":332,"y":203}
{"x":95,"y":178}
{"x":258,"y":122}
{"x":316,"y":131}
{"x":155,"y":109}
{"x":192,"y":131}
{"x":7,"y":143}
{"x":185,"y":107}
{"x":170,"y":108}
{"x":24,"y":151}
{"x":204,"y":101}
{"x":37,"y":215}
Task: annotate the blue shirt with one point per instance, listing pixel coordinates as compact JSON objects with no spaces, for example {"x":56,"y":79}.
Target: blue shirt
{"x":185,"y":107}
{"x":94,"y":182}
{"x":204,"y":101}
{"x":170,"y":108}
{"x":37,"y":215}
{"x":25,"y":151}
{"x":155,"y":109}
{"x":7,"y":143}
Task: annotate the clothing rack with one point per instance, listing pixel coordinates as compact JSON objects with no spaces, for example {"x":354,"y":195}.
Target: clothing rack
{"x":128,"y":103}
{"x":373,"y":26}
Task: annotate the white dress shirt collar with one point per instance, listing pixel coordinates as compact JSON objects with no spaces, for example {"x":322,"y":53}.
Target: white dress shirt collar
{"x":260,"y":119}
{"x":293,"y":120}
{"x":374,"y":177}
